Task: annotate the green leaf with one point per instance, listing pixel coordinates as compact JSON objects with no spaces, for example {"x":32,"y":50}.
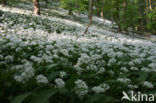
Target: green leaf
{"x":72,"y":79}
{"x":142,"y":76}
{"x":99,"y":98}
{"x":94,"y":98}
{"x":44,"y":96}
{"x":53,"y":75}
{"x":20,"y":98}
{"x":110,"y":99}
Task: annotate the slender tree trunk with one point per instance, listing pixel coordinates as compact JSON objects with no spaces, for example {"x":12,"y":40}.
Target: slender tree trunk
{"x":147,"y":12}
{"x":90,"y":9}
{"x":4,"y":2}
{"x":150,"y":5}
{"x":90,"y":15}
{"x":102,"y":16}
{"x":46,"y":1}
{"x":89,"y":24}
{"x":118,"y":18}
{"x":112,"y":17}
{"x":101,"y":6}
{"x":153,"y":2}
{"x":125,"y":5}
{"x":142,"y":13}
{"x":36,"y":7}
{"x":77,"y":6}
{"x":70,"y":11}
{"x":124,"y":10}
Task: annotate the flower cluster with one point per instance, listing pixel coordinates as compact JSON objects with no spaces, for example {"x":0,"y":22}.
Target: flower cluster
{"x":41,"y":79}
{"x":101,"y":88}
{"x":81,"y":88}
{"x":59,"y":83}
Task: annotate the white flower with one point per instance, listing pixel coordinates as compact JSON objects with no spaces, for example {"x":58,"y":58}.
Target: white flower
{"x":42,"y":79}
{"x":18,"y":78}
{"x":65,"y":52}
{"x":146,"y":69}
{"x":78,"y":69}
{"x":148,"y":84}
{"x":101,"y":88}
{"x":124,"y":69}
{"x":152,"y":65}
{"x":27,"y":72}
{"x":1,"y":56}
{"x":134,"y":68}
{"x":112,"y":60}
{"x":36,"y":59}
{"x":62,"y":74}
{"x":119,"y":54}
{"x":92,"y":67}
{"x":124,"y":80}
{"x":83,"y":59}
{"x":133,"y":86}
{"x":9,"y":58}
{"x":81,"y":88}
{"x":98,"y":89}
{"x":101,"y":70}
{"x":59,"y":83}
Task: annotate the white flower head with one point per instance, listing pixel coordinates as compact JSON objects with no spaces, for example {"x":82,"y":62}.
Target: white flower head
{"x":124,"y":80}
{"x":101,"y":70}
{"x":42,"y":79}
{"x":124,"y":69}
{"x":81,"y":88}
{"x":62,"y":74}
{"x":148,"y":84}
{"x":101,"y":88}
{"x":59,"y":83}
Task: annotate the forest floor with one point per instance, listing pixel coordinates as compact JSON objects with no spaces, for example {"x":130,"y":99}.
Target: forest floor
{"x":54,"y":44}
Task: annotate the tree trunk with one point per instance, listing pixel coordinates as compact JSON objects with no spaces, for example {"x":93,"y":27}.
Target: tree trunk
{"x":125,"y":5}
{"x":70,"y":11}
{"x":142,"y":13}
{"x":150,"y":5}
{"x":90,"y":9}
{"x":118,"y":18}
{"x":124,"y":10}
{"x":36,"y":7}
{"x":4,"y":2}
{"x":101,"y":6}
{"x":46,"y":1}
{"x":147,"y":12}
{"x":77,"y":6}
{"x":102,"y":16}
{"x":90,"y":15}
{"x":153,"y":3}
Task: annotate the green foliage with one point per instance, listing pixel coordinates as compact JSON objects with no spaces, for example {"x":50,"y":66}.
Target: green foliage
{"x":129,"y":18}
{"x":152,"y":18}
{"x":74,"y":5}
{"x":20,"y":98}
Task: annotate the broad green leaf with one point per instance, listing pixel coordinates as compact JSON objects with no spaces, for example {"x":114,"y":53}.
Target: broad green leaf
{"x":43,"y":96}
{"x":53,"y":75}
{"x":20,"y":98}
{"x":94,"y":98}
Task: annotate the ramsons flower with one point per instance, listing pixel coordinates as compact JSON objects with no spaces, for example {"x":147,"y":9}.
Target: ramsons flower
{"x":81,"y":88}
{"x":59,"y":83}
{"x":41,"y":79}
{"x":101,"y":88}
{"x":148,"y":84}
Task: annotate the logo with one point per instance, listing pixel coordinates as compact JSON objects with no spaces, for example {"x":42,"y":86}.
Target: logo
{"x":137,"y":97}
